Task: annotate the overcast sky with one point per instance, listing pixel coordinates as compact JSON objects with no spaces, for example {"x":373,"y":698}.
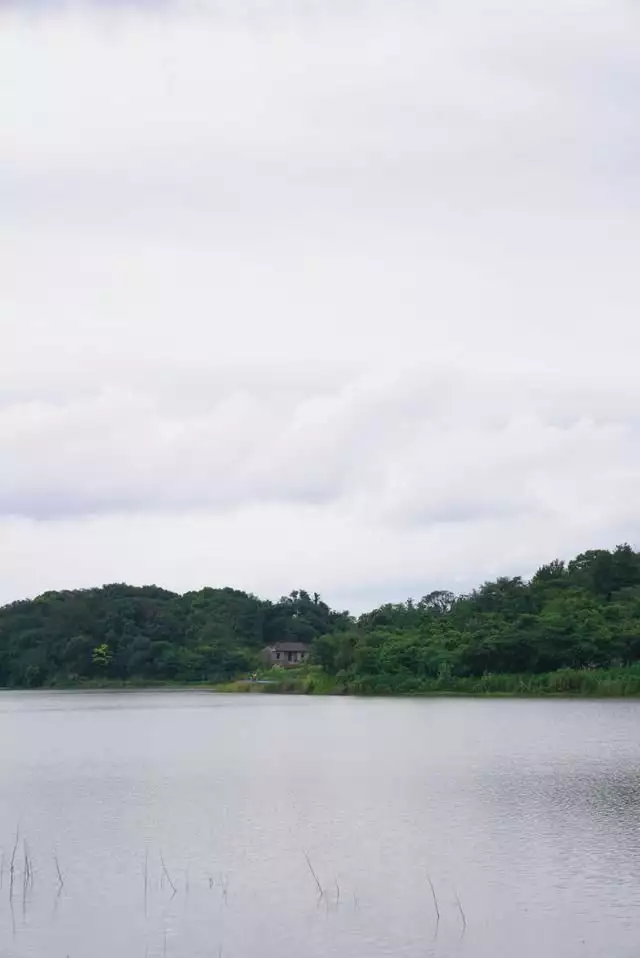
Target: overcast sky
{"x":316,"y":294}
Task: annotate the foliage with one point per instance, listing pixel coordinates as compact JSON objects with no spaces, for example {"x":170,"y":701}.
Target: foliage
{"x":584,"y":682}
{"x":123,"y":634}
{"x":554,"y":633}
{"x":581,"y":616}
{"x":101,"y":655}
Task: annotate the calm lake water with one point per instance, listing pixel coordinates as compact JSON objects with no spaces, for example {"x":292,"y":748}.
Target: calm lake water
{"x":525,"y":815}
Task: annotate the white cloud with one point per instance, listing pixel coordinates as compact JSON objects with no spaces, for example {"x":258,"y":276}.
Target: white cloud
{"x":348,"y":290}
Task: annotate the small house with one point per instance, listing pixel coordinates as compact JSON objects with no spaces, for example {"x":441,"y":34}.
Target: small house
{"x":286,"y":653}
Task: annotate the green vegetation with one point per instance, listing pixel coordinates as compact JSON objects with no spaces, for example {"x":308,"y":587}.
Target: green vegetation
{"x":595,"y":682}
{"x":300,"y":680}
{"x":572,"y":629}
{"x":313,"y":680}
{"x":120,"y":634}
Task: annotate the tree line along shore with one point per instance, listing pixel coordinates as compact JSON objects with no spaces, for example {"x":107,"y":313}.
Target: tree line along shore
{"x":573,"y":628}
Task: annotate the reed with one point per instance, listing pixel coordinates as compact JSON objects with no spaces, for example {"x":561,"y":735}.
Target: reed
{"x":58,"y":872}
{"x":435,"y":900}
{"x":315,"y":877}
{"x":12,"y":866}
{"x":167,"y":875}
{"x":462,"y":914}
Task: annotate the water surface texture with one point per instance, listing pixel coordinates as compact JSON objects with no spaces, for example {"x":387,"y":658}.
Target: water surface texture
{"x":524,"y":815}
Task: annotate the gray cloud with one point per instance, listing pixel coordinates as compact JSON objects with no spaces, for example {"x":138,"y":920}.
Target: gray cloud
{"x":401,"y":450}
{"x":348,"y":290}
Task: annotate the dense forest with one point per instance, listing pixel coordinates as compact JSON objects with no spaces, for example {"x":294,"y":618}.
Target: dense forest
{"x":122,"y":632}
{"x":584,"y":614}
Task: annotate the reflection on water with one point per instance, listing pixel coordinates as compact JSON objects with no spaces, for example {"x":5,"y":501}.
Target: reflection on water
{"x":188,"y":824}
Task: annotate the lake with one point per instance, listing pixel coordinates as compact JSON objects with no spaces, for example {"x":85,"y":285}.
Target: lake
{"x":523,"y":815}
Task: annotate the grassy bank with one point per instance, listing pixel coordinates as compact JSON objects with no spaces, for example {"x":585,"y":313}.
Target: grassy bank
{"x":313,"y":680}
{"x":306,"y":680}
{"x":605,"y":683}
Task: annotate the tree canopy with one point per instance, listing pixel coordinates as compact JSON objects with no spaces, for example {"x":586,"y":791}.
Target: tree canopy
{"x":584,"y":614}
{"x":580,"y":614}
{"x":121,"y":632}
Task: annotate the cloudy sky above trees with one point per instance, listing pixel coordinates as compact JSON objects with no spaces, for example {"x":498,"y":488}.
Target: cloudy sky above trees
{"x":316,"y":293}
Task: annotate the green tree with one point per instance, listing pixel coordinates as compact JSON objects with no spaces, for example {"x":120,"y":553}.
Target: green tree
{"x":102,"y":656}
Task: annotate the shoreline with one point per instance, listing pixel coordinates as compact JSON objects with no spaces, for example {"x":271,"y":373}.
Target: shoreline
{"x":623,"y":682}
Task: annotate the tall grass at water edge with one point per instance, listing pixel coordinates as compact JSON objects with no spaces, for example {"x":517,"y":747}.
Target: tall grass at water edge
{"x":606,"y":683}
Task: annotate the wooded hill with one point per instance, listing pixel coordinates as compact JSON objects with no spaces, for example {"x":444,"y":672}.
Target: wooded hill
{"x":582,"y":614}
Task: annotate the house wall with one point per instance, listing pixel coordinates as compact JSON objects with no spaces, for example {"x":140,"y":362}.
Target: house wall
{"x":296,"y":658}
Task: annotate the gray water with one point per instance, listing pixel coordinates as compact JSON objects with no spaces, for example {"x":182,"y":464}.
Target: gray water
{"x":525,"y":815}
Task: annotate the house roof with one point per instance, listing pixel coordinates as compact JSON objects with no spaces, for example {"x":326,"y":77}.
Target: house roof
{"x":288,"y":647}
